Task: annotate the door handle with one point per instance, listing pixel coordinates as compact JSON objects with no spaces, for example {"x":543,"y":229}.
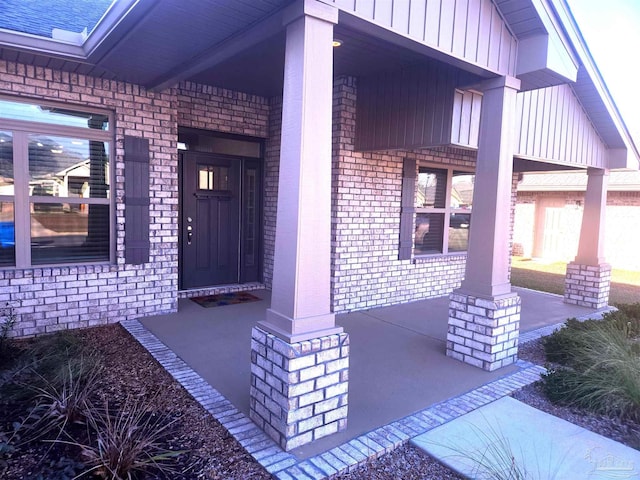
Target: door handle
{"x":189,"y":234}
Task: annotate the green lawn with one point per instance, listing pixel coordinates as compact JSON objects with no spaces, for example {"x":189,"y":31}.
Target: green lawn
{"x":549,"y":277}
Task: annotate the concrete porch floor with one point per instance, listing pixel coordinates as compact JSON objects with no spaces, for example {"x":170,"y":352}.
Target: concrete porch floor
{"x":397,"y":359}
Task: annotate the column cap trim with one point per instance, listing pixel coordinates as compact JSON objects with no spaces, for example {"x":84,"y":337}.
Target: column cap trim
{"x":309,"y":8}
{"x":494,"y":83}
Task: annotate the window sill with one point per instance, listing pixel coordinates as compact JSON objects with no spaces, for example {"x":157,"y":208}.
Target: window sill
{"x":428,"y":258}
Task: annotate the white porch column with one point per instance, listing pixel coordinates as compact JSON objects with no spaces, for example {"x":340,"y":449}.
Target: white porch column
{"x":300,"y":296}
{"x":484,"y":314}
{"x":588,"y":277}
{"x":299,"y":358}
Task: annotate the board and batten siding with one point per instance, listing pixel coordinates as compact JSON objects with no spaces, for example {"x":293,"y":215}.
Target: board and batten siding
{"x":469,"y":30}
{"x":553,"y":126}
{"x":465,"y":123}
{"x":406,"y":108}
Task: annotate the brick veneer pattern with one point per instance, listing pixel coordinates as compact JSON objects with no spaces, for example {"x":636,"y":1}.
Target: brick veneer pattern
{"x":299,"y":390}
{"x":587,"y":285}
{"x":55,"y":298}
{"x":483,"y":333}
{"x":366,"y":193}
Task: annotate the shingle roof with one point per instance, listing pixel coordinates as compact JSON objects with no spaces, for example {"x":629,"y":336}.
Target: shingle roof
{"x":39,"y":17}
{"x":576,"y":181}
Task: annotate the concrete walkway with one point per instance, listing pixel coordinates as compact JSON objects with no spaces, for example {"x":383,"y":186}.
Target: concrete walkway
{"x":401,"y":383}
{"x":507,"y":434}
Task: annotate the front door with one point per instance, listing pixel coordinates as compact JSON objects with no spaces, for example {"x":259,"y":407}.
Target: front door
{"x":210,"y":223}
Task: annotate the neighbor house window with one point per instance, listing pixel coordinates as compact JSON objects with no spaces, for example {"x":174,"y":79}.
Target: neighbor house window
{"x":55,"y":188}
{"x":443,"y":203}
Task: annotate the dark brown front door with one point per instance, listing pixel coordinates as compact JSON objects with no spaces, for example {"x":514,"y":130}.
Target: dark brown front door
{"x":210,"y":223}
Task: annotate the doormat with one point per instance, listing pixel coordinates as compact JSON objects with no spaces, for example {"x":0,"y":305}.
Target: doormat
{"x":224,"y":299}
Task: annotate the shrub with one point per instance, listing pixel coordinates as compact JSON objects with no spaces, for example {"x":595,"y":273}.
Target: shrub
{"x":602,"y":371}
{"x":127,"y":441}
{"x":64,"y":398}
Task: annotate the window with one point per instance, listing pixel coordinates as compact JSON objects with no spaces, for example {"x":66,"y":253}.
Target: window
{"x":443,"y":204}
{"x":55,"y":194}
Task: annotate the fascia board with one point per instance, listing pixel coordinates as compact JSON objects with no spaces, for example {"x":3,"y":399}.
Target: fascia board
{"x":36,"y":44}
{"x":575,"y":37}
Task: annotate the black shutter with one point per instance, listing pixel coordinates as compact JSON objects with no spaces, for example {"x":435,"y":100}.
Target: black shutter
{"x":136,"y":200}
{"x":407,"y":209}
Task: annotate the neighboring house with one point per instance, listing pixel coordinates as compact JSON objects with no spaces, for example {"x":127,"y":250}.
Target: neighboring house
{"x":549,"y":212}
{"x":325,"y":149}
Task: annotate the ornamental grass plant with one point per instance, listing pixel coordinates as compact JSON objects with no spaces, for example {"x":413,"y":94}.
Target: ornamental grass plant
{"x":596,"y":364}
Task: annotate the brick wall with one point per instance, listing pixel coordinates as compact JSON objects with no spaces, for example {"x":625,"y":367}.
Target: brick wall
{"x":55,"y":298}
{"x":50,"y":299}
{"x":271,"y":172}
{"x":222,"y":110}
{"x":366,"y":189}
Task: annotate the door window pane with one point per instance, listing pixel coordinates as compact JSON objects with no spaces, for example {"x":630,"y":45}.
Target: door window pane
{"x":68,"y":167}
{"x":7,"y":235}
{"x":6,"y":163}
{"x":432,"y":188}
{"x":53,"y":115}
{"x":213,"y":178}
{"x":66,"y":233}
{"x":428,"y":235}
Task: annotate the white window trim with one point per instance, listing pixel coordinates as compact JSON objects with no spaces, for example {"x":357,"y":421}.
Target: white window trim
{"x":20,"y":130}
{"x":447,"y":210}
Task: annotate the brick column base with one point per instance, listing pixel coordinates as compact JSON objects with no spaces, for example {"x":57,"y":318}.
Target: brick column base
{"x":299,"y":390}
{"x":483,"y":332}
{"x":587,"y":285}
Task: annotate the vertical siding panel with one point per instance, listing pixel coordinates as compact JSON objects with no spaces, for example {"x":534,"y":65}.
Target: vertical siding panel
{"x":560,"y":124}
{"x":542,"y":121}
{"x":505,"y":50}
{"x":416,"y":18}
{"x":474,"y":128}
{"x":531,"y":134}
{"x":456,"y":121}
{"x":524,"y":119}
{"x":553,"y":104}
{"x":412,"y":110}
{"x":578,"y":132}
{"x":405,"y":101}
{"x":495,"y":39}
{"x":383,"y":12}
{"x":566,"y":154}
{"x":460,"y":27}
{"x":400,"y":16}
{"x":473,"y":25}
{"x":520,"y":98}
{"x":432,"y":29}
{"x":484,"y":32}
{"x":447,"y":16}
{"x":395,"y":106}
{"x":432,"y":87}
{"x":422,"y":109}
{"x":513,"y":56}
{"x":465,"y":121}
{"x":365,"y":7}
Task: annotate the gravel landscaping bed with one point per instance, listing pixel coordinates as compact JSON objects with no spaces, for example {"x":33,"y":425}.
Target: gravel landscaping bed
{"x":210,"y":452}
